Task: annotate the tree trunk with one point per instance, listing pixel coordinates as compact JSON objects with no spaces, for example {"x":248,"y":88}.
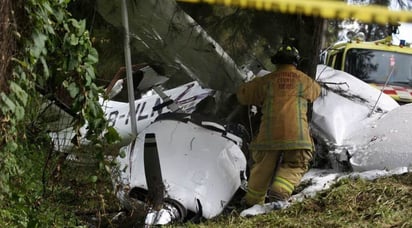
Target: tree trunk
{"x":309,"y":41}
{"x":7,"y":44}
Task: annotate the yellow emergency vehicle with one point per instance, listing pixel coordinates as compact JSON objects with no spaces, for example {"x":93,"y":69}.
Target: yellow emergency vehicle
{"x":380,"y":63}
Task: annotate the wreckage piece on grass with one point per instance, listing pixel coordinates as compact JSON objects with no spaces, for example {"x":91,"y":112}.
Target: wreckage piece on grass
{"x":260,"y":209}
{"x":346,"y":105}
{"x":202,"y":167}
{"x":384,"y":144}
{"x":359,"y":125}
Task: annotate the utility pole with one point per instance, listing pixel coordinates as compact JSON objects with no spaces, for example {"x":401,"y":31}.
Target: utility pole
{"x":129,"y":74}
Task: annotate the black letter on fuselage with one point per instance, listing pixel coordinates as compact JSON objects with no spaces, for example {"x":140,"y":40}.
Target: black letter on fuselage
{"x":140,"y":117}
{"x":112,"y":118}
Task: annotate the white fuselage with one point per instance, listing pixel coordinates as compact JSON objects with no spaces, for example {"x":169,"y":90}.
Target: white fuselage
{"x":186,"y":96}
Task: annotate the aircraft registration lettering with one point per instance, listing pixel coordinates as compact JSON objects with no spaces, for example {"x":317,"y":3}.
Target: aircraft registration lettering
{"x":144,"y":109}
{"x":128,"y":114}
{"x":157,"y":112}
{"x":140,"y":116}
{"x":184,"y":92}
{"x":112,"y":117}
{"x":141,"y":112}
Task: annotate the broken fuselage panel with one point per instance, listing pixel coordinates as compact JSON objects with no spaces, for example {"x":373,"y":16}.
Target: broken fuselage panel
{"x":352,"y":119}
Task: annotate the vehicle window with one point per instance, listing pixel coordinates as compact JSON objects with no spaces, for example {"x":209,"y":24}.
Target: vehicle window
{"x":375,"y":66}
{"x":330,"y":61}
{"x":338,"y":60}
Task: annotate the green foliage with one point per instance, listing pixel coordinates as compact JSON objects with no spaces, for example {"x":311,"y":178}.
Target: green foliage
{"x":56,"y":55}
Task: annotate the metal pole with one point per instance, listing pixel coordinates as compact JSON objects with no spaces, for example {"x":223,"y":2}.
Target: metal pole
{"x":128,"y":61}
{"x":382,"y":89}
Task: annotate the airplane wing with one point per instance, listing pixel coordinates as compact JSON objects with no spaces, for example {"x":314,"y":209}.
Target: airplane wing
{"x":172,"y":38}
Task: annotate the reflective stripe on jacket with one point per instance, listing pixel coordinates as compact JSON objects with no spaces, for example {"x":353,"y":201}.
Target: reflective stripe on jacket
{"x":283,"y":95}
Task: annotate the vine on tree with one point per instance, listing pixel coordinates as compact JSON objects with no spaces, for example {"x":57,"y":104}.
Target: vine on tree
{"x":53,"y":54}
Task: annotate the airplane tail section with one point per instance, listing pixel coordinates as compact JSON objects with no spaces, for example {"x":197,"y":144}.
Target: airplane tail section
{"x":144,"y":79}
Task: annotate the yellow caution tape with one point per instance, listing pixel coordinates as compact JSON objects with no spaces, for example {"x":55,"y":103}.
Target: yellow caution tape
{"x":328,"y":9}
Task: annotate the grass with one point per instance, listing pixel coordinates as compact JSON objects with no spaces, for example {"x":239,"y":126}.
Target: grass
{"x":384,"y":202}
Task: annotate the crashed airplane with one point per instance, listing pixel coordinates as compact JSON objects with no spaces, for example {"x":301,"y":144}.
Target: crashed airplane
{"x":354,"y":131}
{"x":175,"y":139}
{"x":186,"y":163}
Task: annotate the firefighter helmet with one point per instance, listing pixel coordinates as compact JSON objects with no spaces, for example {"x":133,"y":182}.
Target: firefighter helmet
{"x":286,"y":54}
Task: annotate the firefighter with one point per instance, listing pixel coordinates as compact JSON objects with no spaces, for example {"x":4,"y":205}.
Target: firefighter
{"x":283,"y":148}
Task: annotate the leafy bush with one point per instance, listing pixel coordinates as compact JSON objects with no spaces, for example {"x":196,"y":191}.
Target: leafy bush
{"x":53,"y":54}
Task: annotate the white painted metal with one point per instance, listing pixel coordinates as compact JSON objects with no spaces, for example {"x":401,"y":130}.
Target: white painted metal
{"x":186,"y":96}
{"x":367,"y":142}
{"x":197,"y":163}
{"x":340,"y":112}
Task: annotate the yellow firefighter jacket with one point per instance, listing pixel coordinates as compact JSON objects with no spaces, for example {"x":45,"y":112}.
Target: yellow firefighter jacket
{"x":283,"y":95}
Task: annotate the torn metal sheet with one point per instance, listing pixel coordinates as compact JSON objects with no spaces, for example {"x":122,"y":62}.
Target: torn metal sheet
{"x":384,"y":144}
{"x":173,"y":39}
{"x":346,"y":105}
{"x":360,"y":125}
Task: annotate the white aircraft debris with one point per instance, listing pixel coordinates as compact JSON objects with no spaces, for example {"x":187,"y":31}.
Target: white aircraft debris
{"x":200,"y":162}
{"x":183,"y":165}
{"x":361,"y":125}
{"x":201,"y":165}
{"x":385,"y":143}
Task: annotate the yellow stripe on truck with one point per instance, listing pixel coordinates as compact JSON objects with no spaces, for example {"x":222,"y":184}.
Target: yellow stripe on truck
{"x":328,"y":9}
